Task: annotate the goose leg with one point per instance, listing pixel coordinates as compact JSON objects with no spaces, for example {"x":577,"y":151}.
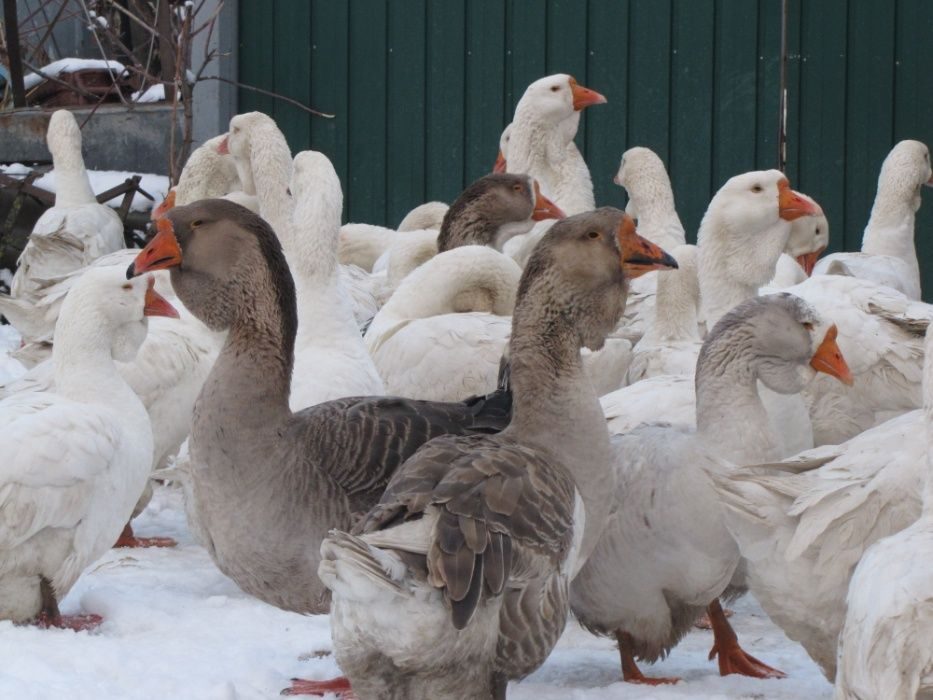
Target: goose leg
{"x":340,"y":685}
{"x":49,"y":615}
{"x":703,"y":622}
{"x":732,"y":658}
{"x":128,"y":539}
{"x":630,"y":671}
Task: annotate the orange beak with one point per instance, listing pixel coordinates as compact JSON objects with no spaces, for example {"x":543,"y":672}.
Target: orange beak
{"x":544,"y":207}
{"x":808,"y":260}
{"x":828,"y":358}
{"x":223,"y":148}
{"x":156,"y":304}
{"x":500,"y":165}
{"x":161,"y":253}
{"x":166,"y":204}
{"x":639,"y":255}
{"x":792,"y":205}
{"x":584,"y":97}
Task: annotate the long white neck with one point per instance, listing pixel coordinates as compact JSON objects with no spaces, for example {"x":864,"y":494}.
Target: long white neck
{"x":675,"y":305}
{"x":468,"y":278}
{"x":733,"y":265}
{"x":72,"y":184}
{"x":573,"y":190}
{"x":653,"y":200}
{"x":310,"y":244}
{"x":890,"y":229}
{"x":535,"y":147}
{"x":730,"y":414}
{"x":83,"y":361}
{"x":271,"y":172}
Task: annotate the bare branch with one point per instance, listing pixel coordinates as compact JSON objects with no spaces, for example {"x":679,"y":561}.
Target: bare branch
{"x":276,"y":95}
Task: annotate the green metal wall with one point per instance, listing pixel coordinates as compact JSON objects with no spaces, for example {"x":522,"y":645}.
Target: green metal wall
{"x":421,"y":90}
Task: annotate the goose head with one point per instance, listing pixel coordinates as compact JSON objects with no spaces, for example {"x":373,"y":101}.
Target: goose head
{"x":120,"y":308}
{"x":429,"y":215}
{"x":809,"y":236}
{"x":905,"y":170}
{"x":63,"y":134}
{"x":579,"y":270}
{"x":226,"y":264}
{"x":785,"y":340}
{"x":494,"y":209}
{"x":501,"y":164}
{"x":556,"y":97}
{"x":314,"y":178}
{"x":640,"y":164}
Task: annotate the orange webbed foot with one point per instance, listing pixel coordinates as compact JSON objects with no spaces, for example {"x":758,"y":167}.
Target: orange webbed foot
{"x":340,"y":685}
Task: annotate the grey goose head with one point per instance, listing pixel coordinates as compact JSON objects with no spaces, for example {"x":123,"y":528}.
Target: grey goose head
{"x":493,"y":209}
{"x":578,"y":271}
{"x":226,"y":264}
{"x":784,"y":341}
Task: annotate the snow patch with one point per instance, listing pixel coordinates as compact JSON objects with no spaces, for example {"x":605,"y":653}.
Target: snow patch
{"x":154,"y":93}
{"x":70,"y":65}
{"x":103,"y":180}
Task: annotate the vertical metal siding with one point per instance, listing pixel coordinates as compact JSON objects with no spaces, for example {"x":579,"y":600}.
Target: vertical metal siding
{"x":421,"y":91}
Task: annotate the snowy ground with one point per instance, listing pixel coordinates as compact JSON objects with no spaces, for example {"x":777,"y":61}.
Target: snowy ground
{"x":175,"y":627}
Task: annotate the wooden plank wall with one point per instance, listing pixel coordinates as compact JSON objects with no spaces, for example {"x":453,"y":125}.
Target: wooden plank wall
{"x":421,"y":90}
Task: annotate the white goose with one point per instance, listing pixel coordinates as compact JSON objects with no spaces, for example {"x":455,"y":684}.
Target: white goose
{"x":651,"y":201}
{"x":76,"y":459}
{"x":441,"y":334}
{"x":259,"y":147}
{"x":886,"y":645}
{"x":812,"y":518}
{"x":67,"y":237}
{"x":540,"y":140}
{"x":363,"y":244}
{"x":809,"y":236}
{"x":741,"y":236}
{"x":666,"y":515}
{"x":888,"y":255}
{"x":330,"y":359}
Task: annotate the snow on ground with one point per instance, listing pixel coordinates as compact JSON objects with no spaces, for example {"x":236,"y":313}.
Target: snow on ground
{"x":175,"y":627}
{"x":9,"y":368}
{"x":154,"y":93}
{"x":103,"y":180}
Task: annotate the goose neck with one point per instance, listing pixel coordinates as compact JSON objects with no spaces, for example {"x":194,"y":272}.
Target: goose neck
{"x":83,"y":360}
{"x":72,"y":184}
{"x":675,"y":307}
{"x":729,"y":410}
{"x":252,"y":375}
{"x":890,"y":228}
{"x":555,"y":407}
{"x":732,"y":265}
{"x":271,"y":168}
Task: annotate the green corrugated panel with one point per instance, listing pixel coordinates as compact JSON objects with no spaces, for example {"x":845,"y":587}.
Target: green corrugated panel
{"x":366,"y":181}
{"x":445,"y":100}
{"x":869,"y":108}
{"x":526,"y":57}
{"x":822,"y":104}
{"x":255,"y":59}
{"x":735,"y":81}
{"x":607,"y":72}
{"x":768,"y":84}
{"x":329,"y":85}
{"x":913,"y":108}
{"x":649,"y":87}
{"x":406,"y":123}
{"x":566,"y":47}
{"x":692,"y":110}
{"x":292,"y":62}
{"x":485,"y":84}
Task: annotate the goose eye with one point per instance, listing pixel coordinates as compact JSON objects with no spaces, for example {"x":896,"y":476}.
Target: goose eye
{"x":195,"y":224}
{"x":518,"y":188}
{"x":594,"y":235}
{"x":808,"y":326}
{"x":127,"y":287}
{"x":555,"y":88}
{"x":757,"y":188}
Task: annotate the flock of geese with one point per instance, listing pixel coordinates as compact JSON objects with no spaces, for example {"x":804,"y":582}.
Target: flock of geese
{"x":453,"y":435}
